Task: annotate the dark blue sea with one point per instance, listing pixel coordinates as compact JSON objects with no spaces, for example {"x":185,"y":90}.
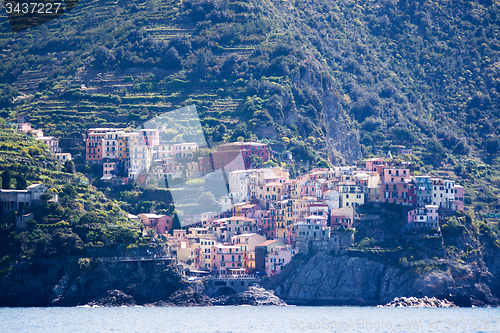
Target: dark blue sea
{"x":249,"y":319}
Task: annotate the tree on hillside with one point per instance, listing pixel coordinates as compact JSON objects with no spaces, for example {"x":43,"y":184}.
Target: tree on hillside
{"x":89,"y":219}
{"x":125,"y":236}
{"x":207,"y":202}
{"x":176,"y":224}
{"x":45,"y":197}
{"x":435,"y":152}
{"x":20,"y":182}
{"x":6,"y":179}
{"x":69,"y":166}
{"x":492,"y":145}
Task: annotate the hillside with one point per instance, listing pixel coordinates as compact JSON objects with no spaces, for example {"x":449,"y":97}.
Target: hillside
{"x":83,"y":223}
{"x":333,"y":81}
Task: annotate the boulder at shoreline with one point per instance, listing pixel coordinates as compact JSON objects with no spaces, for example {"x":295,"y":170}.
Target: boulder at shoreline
{"x":424,"y":302}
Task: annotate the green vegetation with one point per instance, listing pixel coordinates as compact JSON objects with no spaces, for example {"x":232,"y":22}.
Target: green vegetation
{"x":317,"y":77}
{"x":328,"y":81}
{"x":82,"y":219}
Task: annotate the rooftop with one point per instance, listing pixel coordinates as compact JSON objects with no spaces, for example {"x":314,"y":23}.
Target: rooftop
{"x":269,"y":242}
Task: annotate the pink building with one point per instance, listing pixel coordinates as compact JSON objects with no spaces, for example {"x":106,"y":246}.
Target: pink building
{"x":149,"y":137}
{"x":427,"y":216}
{"x":246,"y":210}
{"x":459,"y":197}
{"x":375,"y":164}
{"x":24,"y":127}
{"x":260,"y":216}
{"x":267,"y":227}
{"x":396,"y":185}
{"x":110,"y":168}
{"x":161,"y":223}
{"x":226,"y":153}
{"x":338,"y":221}
{"x":226,"y":258}
{"x":277,"y":258}
{"x":179,"y":236}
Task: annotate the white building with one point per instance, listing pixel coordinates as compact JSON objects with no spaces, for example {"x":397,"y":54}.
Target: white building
{"x":63,"y":157}
{"x":51,"y":142}
{"x":110,"y":145}
{"x":14,"y":200}
{"x":238,"y":186}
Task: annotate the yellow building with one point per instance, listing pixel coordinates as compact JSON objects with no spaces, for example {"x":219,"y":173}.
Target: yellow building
{"x":295,"y":189}
{"x":123,"y":146}
{"x":271,"y":194}
{"x":284,"y":218}
{"x":351,"y":195}
{"x":192,"y":169}
{"x":249,"y":260}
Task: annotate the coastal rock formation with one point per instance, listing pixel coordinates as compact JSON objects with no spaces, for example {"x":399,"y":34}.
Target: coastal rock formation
{"x":325,"y":279}
{"x":184,"y":298}
{"x":425,"y":302}
{"x":61,"y":283}
{"x":252,"y":296}
{"x":114,"y":298}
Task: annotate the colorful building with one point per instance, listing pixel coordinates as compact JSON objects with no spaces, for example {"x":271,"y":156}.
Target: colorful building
{"x":277,"y":258}
{"x":160,"y":223}
{"x":427,"y":216}
{"x":226,"y":258}
{"x":93,"y":143}
{"x":227,"y":153}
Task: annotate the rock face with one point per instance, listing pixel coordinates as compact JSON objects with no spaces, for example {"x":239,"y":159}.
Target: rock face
{"x":342,"y":139}
{"x":252,"y":296}
{"x":324,"y":279}
{"x":114,"y":298}
{"x":425,"y":302}
{"x":58,"y":283}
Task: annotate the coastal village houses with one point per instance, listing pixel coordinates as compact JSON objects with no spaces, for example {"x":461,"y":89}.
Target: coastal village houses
{"x":268,"y":217}
{"x":274,"y":217}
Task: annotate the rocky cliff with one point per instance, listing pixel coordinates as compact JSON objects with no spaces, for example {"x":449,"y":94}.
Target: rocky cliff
{"x":324,"y":279}
{"x":71,"y":283}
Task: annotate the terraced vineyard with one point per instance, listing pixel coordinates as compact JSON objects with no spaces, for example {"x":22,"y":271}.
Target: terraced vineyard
{"x":106,"y":94}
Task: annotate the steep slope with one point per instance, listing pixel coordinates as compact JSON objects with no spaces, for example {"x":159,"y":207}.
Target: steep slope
{"x":56,"y":283}
{"x":332,"y":81}
{"x":120,"y":63}
{"x":328,"y":280}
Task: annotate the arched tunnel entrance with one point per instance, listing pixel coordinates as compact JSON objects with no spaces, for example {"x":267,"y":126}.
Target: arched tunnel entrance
{"x":225,"y":291}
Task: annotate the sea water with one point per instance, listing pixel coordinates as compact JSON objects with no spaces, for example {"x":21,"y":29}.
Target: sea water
{"x":249,"y":319}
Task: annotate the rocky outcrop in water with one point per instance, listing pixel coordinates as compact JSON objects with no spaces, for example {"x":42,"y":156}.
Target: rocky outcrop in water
{"x":252,"y":296}
{"x":325,"y":279}
{"x":425,"y":302}
{"x":114,"y":298}
{"x":63,"y":283}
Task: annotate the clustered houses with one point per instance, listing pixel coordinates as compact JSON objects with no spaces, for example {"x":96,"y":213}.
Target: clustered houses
{"x":50,"y":141}
{"x":272,"y":217}
{"x":143,"y":151}
{"x":428,"y":194}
